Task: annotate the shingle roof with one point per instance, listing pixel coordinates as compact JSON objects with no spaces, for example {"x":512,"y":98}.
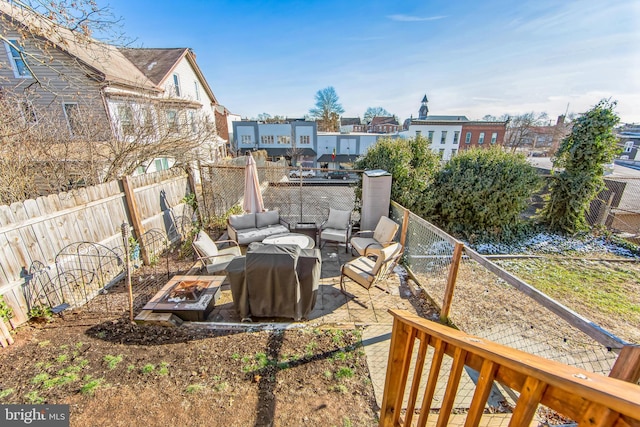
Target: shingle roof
{"x":384,"y":120}
{"x":154,"y":63}
{"x":346,"y":121}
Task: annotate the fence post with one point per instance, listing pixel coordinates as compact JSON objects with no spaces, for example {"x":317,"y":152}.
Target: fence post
{"x":192,"y":183}
{"x":405,"y":226}
{"x":134,"y":214}
{"x":124,"y":229}
{"x":627,"y":366}
{"x":451,"y":281}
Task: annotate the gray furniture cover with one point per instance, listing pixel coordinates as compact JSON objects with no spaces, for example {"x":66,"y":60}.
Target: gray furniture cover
{"x":275,"y":281}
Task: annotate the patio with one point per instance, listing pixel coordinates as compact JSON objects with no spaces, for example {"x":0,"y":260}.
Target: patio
{"x":332,"y":307}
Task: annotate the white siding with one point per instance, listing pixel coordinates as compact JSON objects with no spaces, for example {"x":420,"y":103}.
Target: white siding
{"x":437,"y":129}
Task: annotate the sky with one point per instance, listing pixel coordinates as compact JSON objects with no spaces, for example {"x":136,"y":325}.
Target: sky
{"x":472,"y":58}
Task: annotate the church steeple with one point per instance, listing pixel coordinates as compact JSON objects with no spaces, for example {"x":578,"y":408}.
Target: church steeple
{"x":424,"y":109}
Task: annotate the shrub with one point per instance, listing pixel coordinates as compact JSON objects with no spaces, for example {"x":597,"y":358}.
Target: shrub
{"x":480,"y":193}
{"x":411,"y":163}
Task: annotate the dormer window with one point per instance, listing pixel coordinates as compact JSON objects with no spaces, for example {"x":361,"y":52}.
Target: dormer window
{"x":16,"y":57}
{"x":176,"y":84}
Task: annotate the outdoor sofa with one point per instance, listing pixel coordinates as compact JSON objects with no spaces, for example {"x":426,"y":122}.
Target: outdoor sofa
{"x":255,"y":227}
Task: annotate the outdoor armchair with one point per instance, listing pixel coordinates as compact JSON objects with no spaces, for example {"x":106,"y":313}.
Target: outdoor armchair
{"x":368,"y":270}
{"x":212,"y":257}
{"x":366,"y":241}
{"x":336,"y":228}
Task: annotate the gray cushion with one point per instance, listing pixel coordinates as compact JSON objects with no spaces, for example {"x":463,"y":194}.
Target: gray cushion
{"x":264,"y":219}
{"x":338,"y":219}
{"x":334,"y":235}
{"x":240,"y":222}
{"x":258,"y":234}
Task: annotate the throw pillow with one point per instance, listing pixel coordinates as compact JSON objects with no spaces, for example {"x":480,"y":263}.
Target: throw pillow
{"x":241,"y":222}
{"x":205,"y":245}
{"x":265,"y":219}
{"x":338,"y":219}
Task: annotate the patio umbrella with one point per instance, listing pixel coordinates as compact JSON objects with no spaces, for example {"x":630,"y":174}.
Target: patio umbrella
{"x":252,"y":197}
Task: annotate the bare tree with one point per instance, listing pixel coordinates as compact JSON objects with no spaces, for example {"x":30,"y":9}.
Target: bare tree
{"x":519,"y":128}
{"x":374,"y":112}
{"x":327,"y":110}
{"x":43,"y":152}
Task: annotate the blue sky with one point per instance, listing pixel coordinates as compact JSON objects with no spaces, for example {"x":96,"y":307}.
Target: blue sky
{"x":469,"y":57}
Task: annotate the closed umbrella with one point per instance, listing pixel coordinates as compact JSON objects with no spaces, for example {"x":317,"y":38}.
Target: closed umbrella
{"x":252,"y":197}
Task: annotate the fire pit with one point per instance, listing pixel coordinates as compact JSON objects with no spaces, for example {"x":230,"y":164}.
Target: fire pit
{"x":190,"y":298}
{"x":187,"y":290}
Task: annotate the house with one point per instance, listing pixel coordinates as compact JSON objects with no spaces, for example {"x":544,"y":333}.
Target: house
{"x":294,"y":139}
{"x":299,"y":140}
{"x":351,"y":124}
{"x":450,"y":134}
{"x":108,"y":98}
{"x":629,"y":142}
{"x":482,"y":134}
{"x":185,"y":88}
{"x":383,"y":124}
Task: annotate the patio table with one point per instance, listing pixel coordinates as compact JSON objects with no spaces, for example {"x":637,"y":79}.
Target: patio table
{"x":302,"y":240}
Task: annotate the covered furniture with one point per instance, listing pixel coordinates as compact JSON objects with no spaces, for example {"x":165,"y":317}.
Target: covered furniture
{"x":367,"y":241}
{"x":254,"y":227}
{"x":367,"y":270}
{"x":275,"y":281}
{"x":213,"y":258}
{"x":336,"y":228}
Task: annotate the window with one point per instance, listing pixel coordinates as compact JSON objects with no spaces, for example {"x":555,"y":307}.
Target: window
{"x":125,"y":116}
{"x":418,"y":133}
{"x":266,"y":139}
{"x":454,"y":151}
{"x":441,"y":152}
{"x":197,"y":88}
{"x":193,"y":122}
{"x":305,"y":139}
{"x":481,"y":138}
{"x":28,"y":113}
{"x":430,"y":135}
{"x":16,"y":57}
{"x":71,"y":114}
{"x":176,"y":84}
{"x":628,"y":146}
{"x":284,"y":139}
{"x":443,"y":137}
{"x":456,"y":137}
{"x":246,"y":140}
{"x":172,"y":120}
{"x":467,"y":138}
{"x":494,"y":137}
{"x":162,"y":164}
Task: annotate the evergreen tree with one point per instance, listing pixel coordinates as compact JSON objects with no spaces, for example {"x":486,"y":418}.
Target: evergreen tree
{"x":583,"y":154}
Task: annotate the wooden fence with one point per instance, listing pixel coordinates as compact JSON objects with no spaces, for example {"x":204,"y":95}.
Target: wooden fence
{"x":37,"y":230}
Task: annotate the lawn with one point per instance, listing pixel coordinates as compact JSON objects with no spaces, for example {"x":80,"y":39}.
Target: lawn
{"x":606,"y":292}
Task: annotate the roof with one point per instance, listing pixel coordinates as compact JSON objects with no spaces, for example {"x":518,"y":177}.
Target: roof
{"x":346,"y":121}
{"x":384,"y":120}
{"x":442,"y":119}
{"x":107,"y":61}
{"x":158,"y":64}
{"x":154,"y":63}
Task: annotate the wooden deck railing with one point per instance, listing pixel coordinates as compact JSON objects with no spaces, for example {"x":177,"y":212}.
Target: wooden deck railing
{"x":589,"y":399}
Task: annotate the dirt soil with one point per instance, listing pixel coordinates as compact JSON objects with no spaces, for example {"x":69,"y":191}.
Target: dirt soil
{"x":120,"y":374}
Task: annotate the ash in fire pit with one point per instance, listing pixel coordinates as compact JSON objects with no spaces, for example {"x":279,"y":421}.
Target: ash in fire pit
{"x":187,"y":290}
